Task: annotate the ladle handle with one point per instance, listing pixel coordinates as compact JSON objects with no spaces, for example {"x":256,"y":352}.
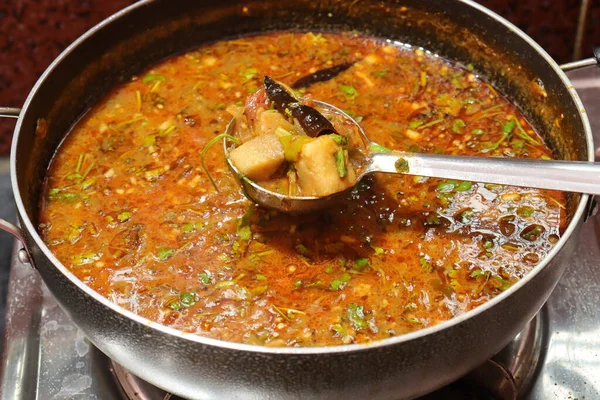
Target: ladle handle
{"x":10,"y":112}
{"x":586,"y":62}
{"x":570,"y":176}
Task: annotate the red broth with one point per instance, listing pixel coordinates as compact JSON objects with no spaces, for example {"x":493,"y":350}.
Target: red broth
{"x":129,"y":210}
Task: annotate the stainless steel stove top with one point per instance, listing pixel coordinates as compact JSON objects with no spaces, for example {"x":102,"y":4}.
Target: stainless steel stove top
{"x":556,"y":356}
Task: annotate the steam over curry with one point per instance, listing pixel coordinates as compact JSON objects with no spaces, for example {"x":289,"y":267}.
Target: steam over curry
{"x":129,"y":209}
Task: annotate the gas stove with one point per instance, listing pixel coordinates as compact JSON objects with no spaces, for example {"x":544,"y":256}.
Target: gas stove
{"x":556,"y":356}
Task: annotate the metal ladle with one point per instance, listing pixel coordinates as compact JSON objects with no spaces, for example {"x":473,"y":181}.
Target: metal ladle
{"x":569,"y":176}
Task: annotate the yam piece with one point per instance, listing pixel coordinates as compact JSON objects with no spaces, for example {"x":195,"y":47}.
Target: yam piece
{"x":317,"y":170}
{"x":258,"y":158}
{"x":268,"y":122}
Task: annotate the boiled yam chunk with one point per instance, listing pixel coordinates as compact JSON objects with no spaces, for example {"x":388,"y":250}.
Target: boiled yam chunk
{"x":268,"y":122}
{"x":258,"y":158}
{"x":317,"y":169}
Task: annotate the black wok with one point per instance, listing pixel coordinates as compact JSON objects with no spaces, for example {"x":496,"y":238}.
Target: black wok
{"x":196,"y":367}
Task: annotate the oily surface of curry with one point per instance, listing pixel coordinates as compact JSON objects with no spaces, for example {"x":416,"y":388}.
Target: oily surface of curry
{"x":129,"y":209}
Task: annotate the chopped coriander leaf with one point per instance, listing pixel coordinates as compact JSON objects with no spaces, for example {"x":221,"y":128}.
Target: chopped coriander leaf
{"x":466,"y":215}
{"x":205,"y":277}
{"x":476,"y":273}
{"x":338,"y":329}
{"x":338,"y":139}
{"x":377,"y":148}
{"x":425,"y":264}
{"x":340,"y":283}
{"x":243,"y":229}
{"x":153,"y":78}
{"x":54,"y":191}
{"x":378,"y":250}
{"x":489,"y":146}
{"x":249,"y":73}
{"x":380,"y":74}
{"x":361,"y":263}
{"x":458,"y":125}
{"x":464,"y":186}
{"x":478,"y":132}
{"x":532,"y":232}
{"x":164,"y":253}
{"x":258,"y":290}
{"x":187,"y":299}
{"x":124,"y":216}
{"x":525,"y":211}
{"x":402,"y":165}
{"x":301,"y":249}
{"x":225,"y":284}
{"x":67,"y":197}
{"x":446,"y":186}
{"x":524,"y":135}
{"x":356,"y":315}
{"x":433,"y":219}
{"x":509,"y":126}
{"x":415,"y":124}
{"x":244,"y":232}
{"x":340,"y":163}
{"x":349,"y":91}
{"x":504,"y":283}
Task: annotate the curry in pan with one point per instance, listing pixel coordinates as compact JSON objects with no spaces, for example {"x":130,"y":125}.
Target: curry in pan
{"x":130,"y":210}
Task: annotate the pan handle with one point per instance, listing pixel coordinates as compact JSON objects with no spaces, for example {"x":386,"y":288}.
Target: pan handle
{"x":23,"y":254}
{"x":10,"y":112}
{"x":586,"y":62}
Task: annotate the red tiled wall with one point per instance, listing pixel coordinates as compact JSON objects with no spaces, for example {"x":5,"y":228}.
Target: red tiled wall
{"x":33,"y":33}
